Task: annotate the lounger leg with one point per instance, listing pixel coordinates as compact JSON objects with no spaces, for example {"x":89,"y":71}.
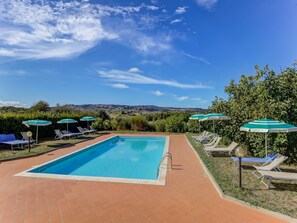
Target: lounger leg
{"x":255,"y":173}
{"x":267,"y":185}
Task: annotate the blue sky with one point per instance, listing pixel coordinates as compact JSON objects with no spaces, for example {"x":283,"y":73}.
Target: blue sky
{"x":168,"y":53}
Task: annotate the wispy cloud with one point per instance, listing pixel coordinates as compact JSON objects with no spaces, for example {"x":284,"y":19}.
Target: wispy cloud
{"x":200,"y":59}
{"x":208,"y":4}
{"x":157,"y":93}
{"x":181,"y":10}
{"x":121,"y":76}
{"x":10,"y":103}
{"x":120,"y":86}
{"x":134,"y":70}
{"x":58,"y":29}
{"x":153,"y":62}
{"x":13,"y":73}
{"x":183,"y":98}
{"x":176,"y":21}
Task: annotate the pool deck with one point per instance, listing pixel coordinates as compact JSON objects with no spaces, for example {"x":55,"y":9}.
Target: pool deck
{"x":189,"y":196}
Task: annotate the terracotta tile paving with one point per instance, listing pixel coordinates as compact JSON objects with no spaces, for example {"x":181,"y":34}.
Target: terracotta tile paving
{"x":188,"y":196}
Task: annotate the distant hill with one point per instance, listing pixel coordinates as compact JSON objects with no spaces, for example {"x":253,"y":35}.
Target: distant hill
{"x":110,"y":108}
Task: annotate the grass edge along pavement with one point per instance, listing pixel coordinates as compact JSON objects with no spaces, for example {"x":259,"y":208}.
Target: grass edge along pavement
{"x":44,"y":147}
{"x":243,"y":197}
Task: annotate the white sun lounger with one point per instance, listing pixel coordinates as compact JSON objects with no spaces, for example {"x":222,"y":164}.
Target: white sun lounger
{"x":60,"y":135}
{"x":269,"y":166}
{"x":228,"y":149}
{"x":214,"y":144}
{"x":275,"y":175}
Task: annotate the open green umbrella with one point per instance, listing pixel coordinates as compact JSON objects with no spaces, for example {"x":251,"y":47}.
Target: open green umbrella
{"x":37,"y":123}
{"x":67,"y":121}
{"x":197,"y":117}
{"x":87,"y":119}
{"x":214,"y":117}
{"x":267,"y":126}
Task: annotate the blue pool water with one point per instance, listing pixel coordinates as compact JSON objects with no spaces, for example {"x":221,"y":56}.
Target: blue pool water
{"x":118,"y":157}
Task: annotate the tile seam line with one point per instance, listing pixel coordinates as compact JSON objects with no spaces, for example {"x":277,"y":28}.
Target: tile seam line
{"x":235,"y":200}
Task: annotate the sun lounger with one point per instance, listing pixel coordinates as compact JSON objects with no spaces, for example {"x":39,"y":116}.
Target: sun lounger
{"x":228,"y":149}
{"x":71,"y":134}
{"x":83,"y":131}
{"x":213,"y":144}
{"x":201,"y":136}
{"x":9,"y":139}
{"x":266,"y":159}
{"x":275,"y":175}
{"x":60,"y":135}
{"x":212,"y":141}
{"x":93,"y":130}
{"x":269,"y":166}
{"x":26,"y":138}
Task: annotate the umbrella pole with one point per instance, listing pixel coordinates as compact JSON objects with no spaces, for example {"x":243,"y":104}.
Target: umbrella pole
{"x":67,"y":127}
{"x":213,"y":127}
{"x":37,"y":134}
{"x":266,"y":139}
{"x":88,"y":124}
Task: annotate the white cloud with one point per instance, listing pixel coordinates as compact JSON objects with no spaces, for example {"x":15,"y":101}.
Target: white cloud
{"x":153,"y":62}
{"x":134,"y":70}
{"x":59,"y":29}
{"x":183,"y":98}
{"x":181,"y":10}
{"x":208,"y":4}
{"x":135,"y":78}
{"x":120,"y":86}
{"x":10,"y":103}
{"x":157,"y":93}
{"x":13,"y":73}
{"x":176,"y":21}
{"x":200,"y":59}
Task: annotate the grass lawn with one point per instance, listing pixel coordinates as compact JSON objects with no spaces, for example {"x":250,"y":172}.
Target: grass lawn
{"x":282,"y":197}
{"x":45,"y":145}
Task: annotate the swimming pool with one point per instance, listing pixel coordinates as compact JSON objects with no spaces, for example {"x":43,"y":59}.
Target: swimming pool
{"x":133,"y":159}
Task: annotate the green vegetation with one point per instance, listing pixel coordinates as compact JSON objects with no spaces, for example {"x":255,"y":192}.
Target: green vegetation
{"x":263,"y":95}
{"x":281,"y":197}
{"x":44,"y":146}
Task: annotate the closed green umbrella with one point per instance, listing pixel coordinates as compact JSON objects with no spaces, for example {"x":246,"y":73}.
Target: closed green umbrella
{"x":214,"y":117}
{"x":267,"y":126}
{"x":87,"y":119}
{"x":37,"y":123}
{"x":67,"y":121}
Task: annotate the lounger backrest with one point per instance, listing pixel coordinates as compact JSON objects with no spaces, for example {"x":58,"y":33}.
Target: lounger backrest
{"x":217,"y":142}
{"x":10,"y":137}
{"x":58,"y":132}
{"x":80,"y":129}
{"x":233,"y":145}
{"x":2,"y":137}
{"x":279,"y":159}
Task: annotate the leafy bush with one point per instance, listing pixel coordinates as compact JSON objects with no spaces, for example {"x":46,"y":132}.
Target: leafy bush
{"x":175,"y":123}
{"x":124,"y":124}
{"x":161,"y":126}
{"x":194,"y":126}
{"x":98,"y":124}
{"x":107,"y":125}
{"x":139,"y":123}
{"x":263,"y":95}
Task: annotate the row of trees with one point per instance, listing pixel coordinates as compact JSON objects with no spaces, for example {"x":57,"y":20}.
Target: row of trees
{"x":262,"y":95}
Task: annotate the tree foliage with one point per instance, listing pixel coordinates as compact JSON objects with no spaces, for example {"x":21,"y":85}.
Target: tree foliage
{"x":41,"y":106}
{"x":262,"y":95}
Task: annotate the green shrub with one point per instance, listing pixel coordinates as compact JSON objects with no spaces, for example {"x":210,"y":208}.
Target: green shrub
{"x":139,"y":123}
{"x":124,"y":124}
{"x":175,"y":124}
{"x":107,"y":125}
{"x":161,"y":126}
{"x":194,"y":126}
{"x":98,"y":124}
{"x":114,"y":124}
